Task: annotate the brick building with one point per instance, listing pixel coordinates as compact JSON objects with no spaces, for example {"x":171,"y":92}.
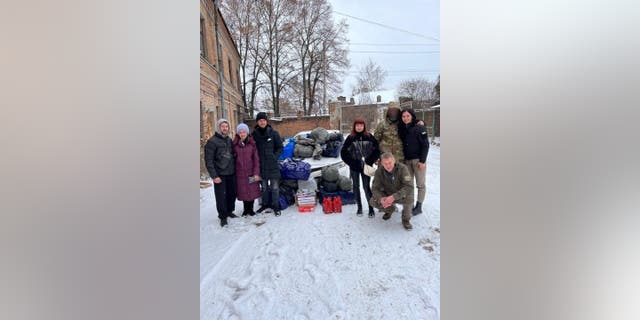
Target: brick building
{"x":220,"y":93}
{"x":343,"y":113}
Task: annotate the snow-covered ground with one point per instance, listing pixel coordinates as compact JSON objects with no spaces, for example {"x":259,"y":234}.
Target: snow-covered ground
{"x":317,"y":266}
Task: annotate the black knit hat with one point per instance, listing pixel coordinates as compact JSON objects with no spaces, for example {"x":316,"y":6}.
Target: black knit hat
{"x":261,"y":115}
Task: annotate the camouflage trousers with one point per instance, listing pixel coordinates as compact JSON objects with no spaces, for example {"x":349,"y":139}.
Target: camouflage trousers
{"x":407,"y":206}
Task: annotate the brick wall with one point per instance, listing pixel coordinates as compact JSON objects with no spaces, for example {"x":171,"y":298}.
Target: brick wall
{"x":370,"y":112}
{"x":343,"y":114}
{"x":287,"y":127}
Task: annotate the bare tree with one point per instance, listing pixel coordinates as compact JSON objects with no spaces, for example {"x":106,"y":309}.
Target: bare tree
{"x":321,"y":49}
{"x":370,"y":77}
{"x":332,"y":66}
{"x":277,"y":18}
{"x":242,"y":19}
{"x":291,"y":50}
{"x":418,"y":89}
{"x":437,"y":90}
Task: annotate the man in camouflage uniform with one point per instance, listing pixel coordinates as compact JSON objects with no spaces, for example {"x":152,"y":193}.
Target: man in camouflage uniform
{"x":387,"y":133}
{"x":393,"y":184}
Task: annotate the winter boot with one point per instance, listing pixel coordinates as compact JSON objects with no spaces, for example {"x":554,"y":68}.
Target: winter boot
{"x":262,"y":208}
{"x":245,"y":208}
{"x":231,"y":215}
{"x":406,"y":224}
{"x":371,"y":213}
{"x":248,"y":208}
{"x":337,"y":204}
{"x":223,"y":222}
{"x":388,"y":212}
{"x":417,"y":209}
{"x":277,"y":212}
{"x":359,"y":212}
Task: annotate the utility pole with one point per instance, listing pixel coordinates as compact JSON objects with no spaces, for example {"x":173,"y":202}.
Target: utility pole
{"x":324,"y":75}
{"x":220,"y":66}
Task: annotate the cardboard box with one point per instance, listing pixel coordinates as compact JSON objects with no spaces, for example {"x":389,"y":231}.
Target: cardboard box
{"x":306,"y":200}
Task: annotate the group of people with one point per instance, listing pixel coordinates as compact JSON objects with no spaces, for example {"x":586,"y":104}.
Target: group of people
{"x":247,"y":168}
{"x":400,"y":146}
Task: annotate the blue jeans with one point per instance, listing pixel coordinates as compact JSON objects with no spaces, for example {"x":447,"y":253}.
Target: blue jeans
{"x":271,"y":190}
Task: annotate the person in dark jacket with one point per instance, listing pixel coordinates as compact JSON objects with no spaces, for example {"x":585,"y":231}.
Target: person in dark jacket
{"x":219,"y":160}
{"x":247,"y":168}
{"x":415,"y":144}
{"x":360,"y":148}
{"x":392,"y":184}
{"x":269,"y":149}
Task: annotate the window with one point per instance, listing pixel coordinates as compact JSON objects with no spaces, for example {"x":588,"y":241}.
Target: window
{"x":238,"y":78}
{"x":230,"y":72}
{"x":203,"y":51}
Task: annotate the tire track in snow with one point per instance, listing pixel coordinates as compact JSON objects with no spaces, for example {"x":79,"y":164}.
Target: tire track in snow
{"x":216,"y":268}
{"x":256,"y":287}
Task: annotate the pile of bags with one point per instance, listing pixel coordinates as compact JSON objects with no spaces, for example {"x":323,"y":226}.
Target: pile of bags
{"x":307,"y":148}
{"x":332,"y":181}
{"x":320,"y":143}
{"x":332,"y":184}
{"x":291,"y":171}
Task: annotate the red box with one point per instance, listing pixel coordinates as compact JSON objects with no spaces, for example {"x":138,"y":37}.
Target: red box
{"x":306,"y":208}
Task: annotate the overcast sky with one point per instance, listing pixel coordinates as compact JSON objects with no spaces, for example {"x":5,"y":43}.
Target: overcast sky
{"x":419,"y":18}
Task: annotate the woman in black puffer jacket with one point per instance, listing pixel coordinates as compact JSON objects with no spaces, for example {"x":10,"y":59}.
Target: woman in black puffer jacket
{"x":416,"y":147}
{"x":359,"y":148}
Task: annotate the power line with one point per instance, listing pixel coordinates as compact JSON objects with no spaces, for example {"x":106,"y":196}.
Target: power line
{"x":388,"y":27}
{"x":405,"y":75}
{"x":398,"y":75}
{"x":399,"y":71}
{"x":394,"y":52}
{"x":393,"y":44}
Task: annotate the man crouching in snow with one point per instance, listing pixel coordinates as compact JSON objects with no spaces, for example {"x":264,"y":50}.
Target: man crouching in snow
{"x":393,"y":184}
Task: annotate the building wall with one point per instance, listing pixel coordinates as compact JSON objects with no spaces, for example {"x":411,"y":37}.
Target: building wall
{"x":343,"y":114}
{"x":211,"y":108}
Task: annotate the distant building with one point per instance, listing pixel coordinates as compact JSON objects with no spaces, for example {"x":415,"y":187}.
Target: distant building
{"x":220,"y":93}
{"x":343,"y":113}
